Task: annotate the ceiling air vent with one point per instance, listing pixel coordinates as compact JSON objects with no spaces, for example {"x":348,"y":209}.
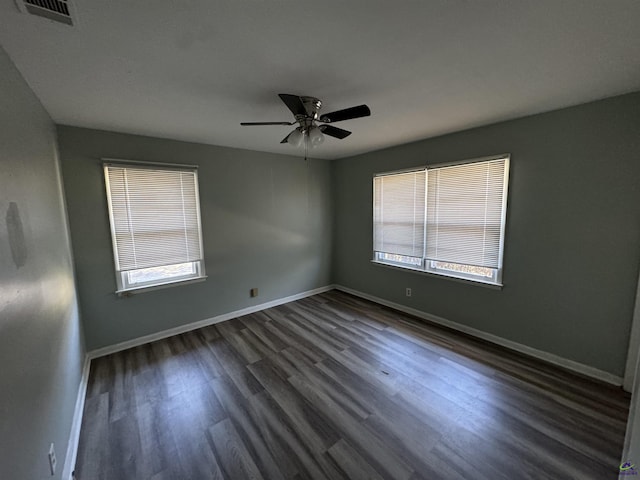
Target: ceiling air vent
{"x":56,"y":10}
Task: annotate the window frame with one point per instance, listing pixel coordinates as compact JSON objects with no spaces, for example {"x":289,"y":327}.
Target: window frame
{"x":124,"y":286}
{"x":424,"y":267}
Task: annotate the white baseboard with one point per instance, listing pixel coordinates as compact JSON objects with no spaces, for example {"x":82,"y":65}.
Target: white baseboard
{"x":101,"y":352}
{"x":518,"y":347}
{"x":76,"y":424}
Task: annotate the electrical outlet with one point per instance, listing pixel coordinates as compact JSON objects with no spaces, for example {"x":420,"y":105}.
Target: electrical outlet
{"x":52,"y":459}
{"x":253,"y":292}
{"x":408,"y":292}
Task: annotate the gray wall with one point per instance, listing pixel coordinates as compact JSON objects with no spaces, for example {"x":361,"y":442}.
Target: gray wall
{"x":41,"y":352}
{"x":266,"y":223}
{"x":572,"y":237}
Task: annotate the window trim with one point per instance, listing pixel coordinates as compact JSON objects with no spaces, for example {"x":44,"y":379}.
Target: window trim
{"x":493,"y":286}
{"x":160,"y":286}
{"x":123,"y":287}
{"x":453,"y":163}
{"x":424,"y":268}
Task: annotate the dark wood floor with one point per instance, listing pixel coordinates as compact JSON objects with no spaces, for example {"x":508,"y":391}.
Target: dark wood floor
{"x":334,"y":387}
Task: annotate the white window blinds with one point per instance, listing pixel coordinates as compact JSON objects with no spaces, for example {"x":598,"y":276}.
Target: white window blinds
{"x":399,"y":215}
{"x":446,"y":219}
{"x":465,"y":213}
{"x":155,"y":216}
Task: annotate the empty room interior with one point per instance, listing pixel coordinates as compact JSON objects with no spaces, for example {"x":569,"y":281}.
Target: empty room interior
{"x":349,"y":240}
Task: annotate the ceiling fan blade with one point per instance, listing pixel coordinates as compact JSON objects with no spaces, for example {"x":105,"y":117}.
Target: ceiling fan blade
{"x":293,"y":103}
{"x":334,"y":131}
{"x":250,"y":124}
{"x":286,"y":139}
{"x":346,"y":114}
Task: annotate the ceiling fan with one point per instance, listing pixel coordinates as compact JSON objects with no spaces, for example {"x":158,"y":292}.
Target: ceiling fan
{"x":306,"y":113}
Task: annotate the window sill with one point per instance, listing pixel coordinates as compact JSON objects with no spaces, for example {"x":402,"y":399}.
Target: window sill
{"x":493,"y":286}
{"x":159,"y":286}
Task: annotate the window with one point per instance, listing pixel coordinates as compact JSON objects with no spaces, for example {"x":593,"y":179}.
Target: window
{"x":447,"y":219}
{"x":155,"y":224}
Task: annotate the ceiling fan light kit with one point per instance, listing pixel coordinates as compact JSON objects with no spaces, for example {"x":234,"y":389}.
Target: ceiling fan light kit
{"x":306,"y":113}
{"x":294,"y":138}
{"x":315,"y":136}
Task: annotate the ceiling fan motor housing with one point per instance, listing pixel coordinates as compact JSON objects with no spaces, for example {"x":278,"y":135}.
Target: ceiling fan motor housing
{"x":312,"y":105}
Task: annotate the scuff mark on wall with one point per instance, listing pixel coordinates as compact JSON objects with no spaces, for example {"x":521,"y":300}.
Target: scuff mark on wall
{"x":16,"y":235}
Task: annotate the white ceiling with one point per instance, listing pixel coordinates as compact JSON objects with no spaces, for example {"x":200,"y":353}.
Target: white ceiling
{"x":194,"y":69}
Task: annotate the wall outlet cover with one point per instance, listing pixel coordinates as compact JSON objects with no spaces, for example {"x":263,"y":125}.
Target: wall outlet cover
{"x":52,"y":459}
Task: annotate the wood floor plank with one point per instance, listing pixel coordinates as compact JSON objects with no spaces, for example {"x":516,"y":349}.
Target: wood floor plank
{"x":242,"y":414}
{"x":127,"y":448}
{"x":235,"y":366}
{"x":312,"y":463}
{"x":368,"y":443}
{"x":256,"y":325}
{"x":232,"y":453}
{"x":356,"y":407}
{"x":356,"y":467}
{"x":411,"y":434}
{"x":93,"y":455}
{"x":235,"y":339}
{"x":310,"y":350}
{"x":333,"y":387}
{"x":203,"y":357}
{"x":309,"y":423}
{"x":157,"y":446}
{"x":189,"y":431}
